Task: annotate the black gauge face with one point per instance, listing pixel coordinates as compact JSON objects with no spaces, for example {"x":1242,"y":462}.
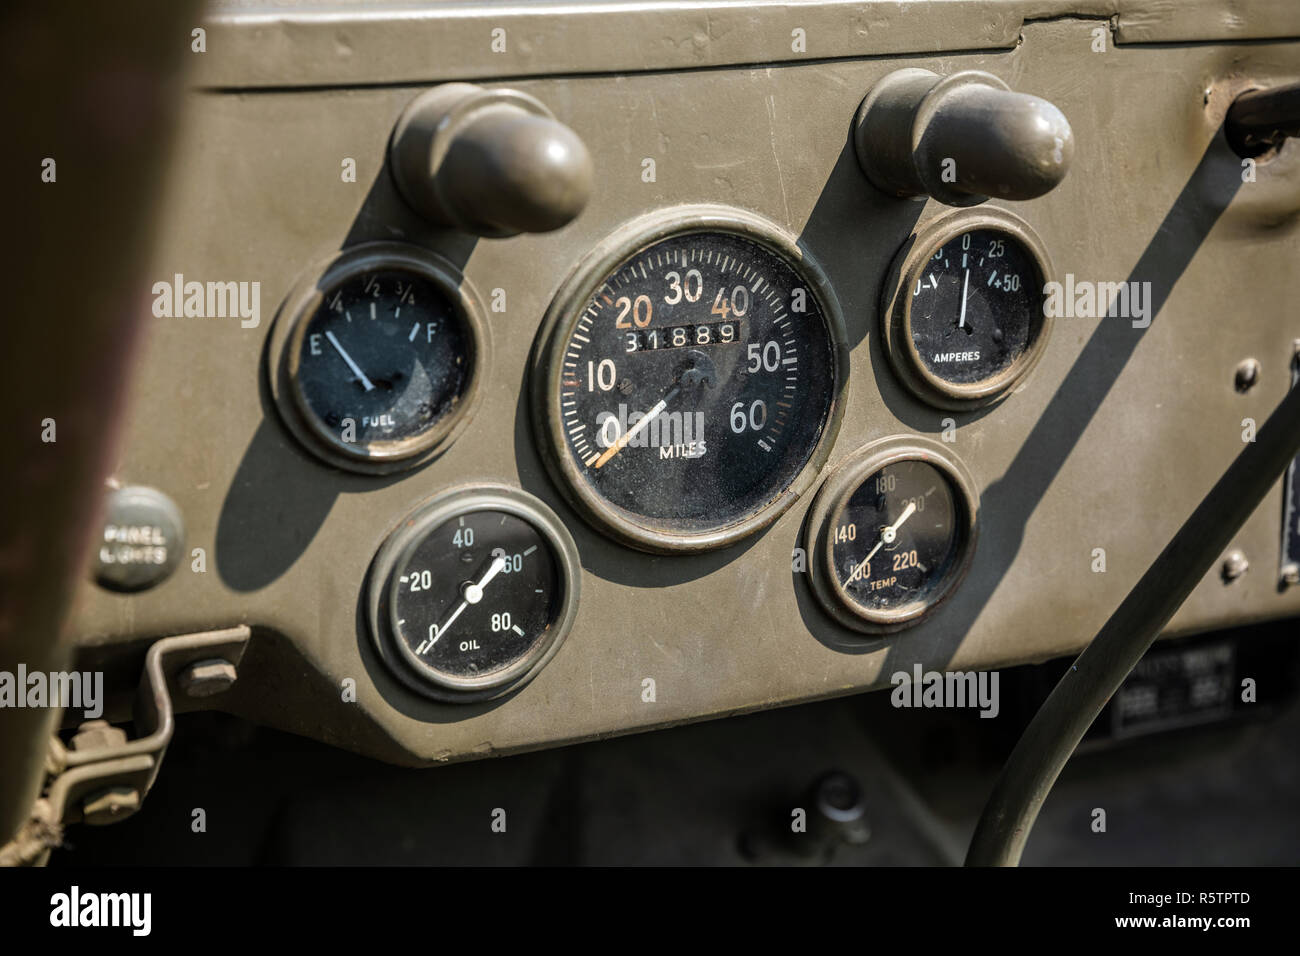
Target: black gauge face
{"x":694,"y":386}
{"x":891,"y":533}
{"x":897,"y":537}
{"x":383,"y":361}
{"x":976,"y":307}
{"x":474,"y":596}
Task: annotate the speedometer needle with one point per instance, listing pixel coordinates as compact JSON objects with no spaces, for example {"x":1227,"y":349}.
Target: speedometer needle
{"x":697,"y":373}
{"x":886,"y":537}
{"x":356,"y":369}
{"x":472,"y":592}
{"x":636,"y":429}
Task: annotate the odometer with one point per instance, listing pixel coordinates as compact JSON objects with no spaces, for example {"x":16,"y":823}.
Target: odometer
{"x":691,"y":379}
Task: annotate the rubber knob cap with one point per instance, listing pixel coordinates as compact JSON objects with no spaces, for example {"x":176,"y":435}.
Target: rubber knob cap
{"x":489,"y":162}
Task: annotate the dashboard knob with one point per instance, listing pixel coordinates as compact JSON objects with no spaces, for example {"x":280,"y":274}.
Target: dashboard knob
{"x":1260,"y":120}
{"x":962,"y":138}
{"x":490,"y":162}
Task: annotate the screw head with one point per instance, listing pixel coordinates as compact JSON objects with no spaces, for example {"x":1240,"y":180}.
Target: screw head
{"x":1234,"y":565}
{"x":1247,"y":375}
{"x":1291,"y":573}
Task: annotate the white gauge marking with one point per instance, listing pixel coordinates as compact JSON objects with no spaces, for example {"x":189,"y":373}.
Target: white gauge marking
{"x":518,"y":630}
{"x":414,"y":329}
{"x":365,"y":382}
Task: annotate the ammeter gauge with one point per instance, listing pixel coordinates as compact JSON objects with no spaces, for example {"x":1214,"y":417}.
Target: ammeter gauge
{"x":378,"y":359}
{"x":473,"y":594}
{"x":893,"y":531}
{"x":690,"y":379}
{"x":963,"y":317}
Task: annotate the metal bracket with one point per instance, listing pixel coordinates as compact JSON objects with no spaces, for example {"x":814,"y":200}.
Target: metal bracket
{"x":103,"y":777}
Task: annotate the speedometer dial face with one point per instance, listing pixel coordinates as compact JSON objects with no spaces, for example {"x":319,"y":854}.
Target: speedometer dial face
{"x":692,"y":381}
{"x":965,"y":319}
{"x":895,"y":530}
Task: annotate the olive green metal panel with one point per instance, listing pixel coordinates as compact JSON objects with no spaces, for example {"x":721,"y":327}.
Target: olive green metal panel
{"x":1109,"y":444}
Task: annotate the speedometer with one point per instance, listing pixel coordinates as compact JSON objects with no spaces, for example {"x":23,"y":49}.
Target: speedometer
{"x":690,"y":379}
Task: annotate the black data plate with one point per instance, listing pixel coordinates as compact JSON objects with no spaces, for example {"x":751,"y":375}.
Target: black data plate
{"x":1177,"y":687}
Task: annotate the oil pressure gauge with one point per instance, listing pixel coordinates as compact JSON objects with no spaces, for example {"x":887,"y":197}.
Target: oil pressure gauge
{"x":893,"y":532}
{"x":690,"y":378}
{"x":473,"y":594}
{"x":963,"y":317}
{"x":378,"y":360}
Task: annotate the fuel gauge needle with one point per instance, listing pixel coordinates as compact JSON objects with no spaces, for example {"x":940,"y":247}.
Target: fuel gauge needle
{"x":356,"y":369}
{"x":472,"y":592}
{"x":886,"y":537}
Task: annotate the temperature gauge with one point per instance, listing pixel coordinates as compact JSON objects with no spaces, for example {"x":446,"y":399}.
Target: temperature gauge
{"x":895,"y":530}
{"x":379,"y":358}
{"x":964,"y":320}
{"x":473,"y":594}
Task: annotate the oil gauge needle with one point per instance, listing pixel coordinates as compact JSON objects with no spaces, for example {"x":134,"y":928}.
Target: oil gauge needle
{"x":356,"y":370}
{"x":886,"y":537}
{"x":472,"y":592}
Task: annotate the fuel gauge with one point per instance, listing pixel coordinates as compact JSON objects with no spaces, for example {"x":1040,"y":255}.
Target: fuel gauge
{"x":379,"y":358}
{"x":895,"y":530}
{"x":473,"y":594}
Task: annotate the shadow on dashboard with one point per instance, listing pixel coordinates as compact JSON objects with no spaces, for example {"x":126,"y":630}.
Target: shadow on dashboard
{"x":1008,"y":504}
{"x":259,"y":534}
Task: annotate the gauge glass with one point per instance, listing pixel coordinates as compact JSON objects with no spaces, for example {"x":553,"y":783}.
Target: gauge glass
{"x":384,"y":358}
{"x":473,"y":593}
{"x":976,"y":307}
{"x":891,"y":533}
{"x":692,"y":387}
{"x":897,"y":537}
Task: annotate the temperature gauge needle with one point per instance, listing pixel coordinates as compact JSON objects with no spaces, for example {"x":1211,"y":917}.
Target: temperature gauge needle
{"x":356,"y":369}
{"x":886,"y":537}
{"x":472,"y":592}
